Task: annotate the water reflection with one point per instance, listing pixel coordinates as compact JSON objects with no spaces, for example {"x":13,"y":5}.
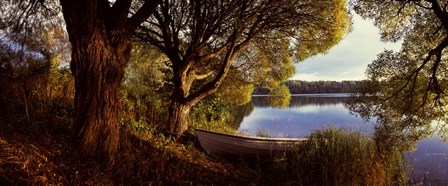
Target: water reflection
{"x":429,"y":162}
{"x":306,"y":113}
{"x":299,"y":100}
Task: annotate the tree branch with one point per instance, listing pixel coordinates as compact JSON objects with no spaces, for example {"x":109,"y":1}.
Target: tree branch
{"x":148,"y":8}
{"x":118,"y":13}
{"x":413,"y":76}
{"x":213,"y":85}
{"x":215,"y":53}
{"x":442,"y":15}
{"x":201,"y":76}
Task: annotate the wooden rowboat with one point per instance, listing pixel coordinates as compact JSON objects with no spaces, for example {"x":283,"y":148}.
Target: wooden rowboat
{"x":219,"y":144}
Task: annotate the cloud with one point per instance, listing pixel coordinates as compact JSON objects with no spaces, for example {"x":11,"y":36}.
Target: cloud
{"x":349,"y":59}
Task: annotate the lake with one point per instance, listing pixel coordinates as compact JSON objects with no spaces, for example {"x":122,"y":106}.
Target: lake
{"x":308,"y":112}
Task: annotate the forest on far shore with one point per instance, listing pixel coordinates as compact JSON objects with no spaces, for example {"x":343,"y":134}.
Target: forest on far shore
{"x":310,"y":87}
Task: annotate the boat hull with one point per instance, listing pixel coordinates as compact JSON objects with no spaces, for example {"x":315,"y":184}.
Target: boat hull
{"x":219,"y":144}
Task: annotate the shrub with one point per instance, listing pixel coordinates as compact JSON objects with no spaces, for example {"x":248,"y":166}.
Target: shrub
{"x":211,"y":113}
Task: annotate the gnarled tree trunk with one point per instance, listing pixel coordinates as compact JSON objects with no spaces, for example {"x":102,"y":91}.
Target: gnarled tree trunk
{"x":179,"y":108}
{"x":98,"y":70}
{"x":182,"y":100}
{"x":99,"y":32}
{"x":99,"y":56}
{"x":178,"y":119}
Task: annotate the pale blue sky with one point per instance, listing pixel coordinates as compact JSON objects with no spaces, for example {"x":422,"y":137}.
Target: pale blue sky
{"x":347,"y":60}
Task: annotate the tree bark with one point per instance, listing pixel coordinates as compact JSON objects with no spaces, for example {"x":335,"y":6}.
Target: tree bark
{"x":182,"y":100}
{"x":98,"y":70}
{"x":178,"y":118}
{"x":100,"y":52}
{"x":99,"y":32}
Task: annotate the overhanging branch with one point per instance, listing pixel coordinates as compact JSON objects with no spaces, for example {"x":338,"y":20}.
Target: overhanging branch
{"x":148,"y":8}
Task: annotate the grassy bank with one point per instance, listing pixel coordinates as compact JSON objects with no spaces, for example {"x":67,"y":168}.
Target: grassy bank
{"x":42,"y":154}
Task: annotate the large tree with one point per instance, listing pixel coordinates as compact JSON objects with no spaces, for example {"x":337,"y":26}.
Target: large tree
{"x":407,"y":89}
{"x":100,"y":34}
{"x":204,"y":39}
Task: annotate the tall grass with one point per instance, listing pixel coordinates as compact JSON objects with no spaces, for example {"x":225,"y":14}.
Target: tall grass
{"x":337,"y":157}
{"x":37,"y":93}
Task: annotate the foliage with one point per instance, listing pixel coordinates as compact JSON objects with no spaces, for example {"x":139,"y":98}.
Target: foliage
{"x":400,"y":122}
{"x":38,"y":96}
{"x":35,"y":83}
{"x":28,"y":17}
{"x":337,"y":157}
{"x":144,"y":90}
{"x":314,"y":87}
{"x":211,"y":113}
{"x":99,"y":32}
{"x":279,"y":96}
{"x":206,"y":40}
{"x":409,"y":94}
{"x":307,"y":87}
{"x":300,"y":101}
{"x":234,"y":90}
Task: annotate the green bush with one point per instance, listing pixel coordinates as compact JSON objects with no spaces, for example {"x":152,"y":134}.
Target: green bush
{"x":211,"y":113}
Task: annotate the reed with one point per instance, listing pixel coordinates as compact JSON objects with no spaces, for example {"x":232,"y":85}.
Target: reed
{"x":338,"y":157}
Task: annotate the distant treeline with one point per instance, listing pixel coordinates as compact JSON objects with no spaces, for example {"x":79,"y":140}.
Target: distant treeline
{"x":309,"y":87}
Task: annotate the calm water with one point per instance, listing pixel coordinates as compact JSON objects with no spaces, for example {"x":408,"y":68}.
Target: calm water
{"x":316,"y":111}
{"x":305,"y":114}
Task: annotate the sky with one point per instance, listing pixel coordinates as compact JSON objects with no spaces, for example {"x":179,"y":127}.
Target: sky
{"x":347,"y":60}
